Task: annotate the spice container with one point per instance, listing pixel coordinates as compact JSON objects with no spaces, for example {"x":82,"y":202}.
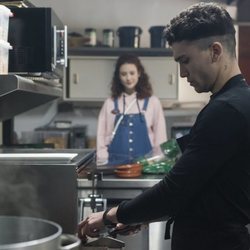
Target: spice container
{"x":91,"y":35}
{"x":108,"y":37}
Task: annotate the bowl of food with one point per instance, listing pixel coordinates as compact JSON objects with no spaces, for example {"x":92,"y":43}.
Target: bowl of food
{"x":128,"y":170}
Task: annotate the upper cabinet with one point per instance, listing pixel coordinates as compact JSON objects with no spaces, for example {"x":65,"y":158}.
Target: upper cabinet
{"x":91,"y":70}
{"x":163,"y":73}
{"x":89,"y":77}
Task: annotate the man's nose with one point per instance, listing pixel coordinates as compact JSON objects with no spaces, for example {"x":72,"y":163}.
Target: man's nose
{"x":183,"y":72}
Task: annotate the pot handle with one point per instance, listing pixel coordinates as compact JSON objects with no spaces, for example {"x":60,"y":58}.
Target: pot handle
{"x":69,"y":241}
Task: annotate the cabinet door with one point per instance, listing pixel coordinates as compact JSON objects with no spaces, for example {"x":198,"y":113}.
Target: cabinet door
{"x":163,"y":74}
{"x":90,"y":78}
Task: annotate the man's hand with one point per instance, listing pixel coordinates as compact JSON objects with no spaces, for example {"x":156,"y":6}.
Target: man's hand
{"x":93,"y":224}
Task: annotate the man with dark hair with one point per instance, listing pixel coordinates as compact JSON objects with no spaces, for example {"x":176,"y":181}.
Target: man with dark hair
{"x":207,"y":192}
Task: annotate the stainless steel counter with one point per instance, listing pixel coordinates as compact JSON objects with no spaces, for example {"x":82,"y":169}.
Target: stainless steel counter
{"x":111,"y":181}
{"x":111,"y":190}
{"x":40,"y":182}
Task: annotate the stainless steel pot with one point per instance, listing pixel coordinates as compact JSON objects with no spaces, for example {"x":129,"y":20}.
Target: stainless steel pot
{"x":26,"y":233}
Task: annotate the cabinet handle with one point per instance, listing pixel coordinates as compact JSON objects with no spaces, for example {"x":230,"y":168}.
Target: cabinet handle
{"x":75,"y":78}
{"x":171,"y":79}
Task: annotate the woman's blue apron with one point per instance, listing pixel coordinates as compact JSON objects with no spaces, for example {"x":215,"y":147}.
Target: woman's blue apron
{"x":131,"y":139}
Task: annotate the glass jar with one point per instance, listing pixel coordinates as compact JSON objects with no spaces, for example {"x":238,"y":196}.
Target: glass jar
{"x":90,"y":33}
{"x":108,"y":37}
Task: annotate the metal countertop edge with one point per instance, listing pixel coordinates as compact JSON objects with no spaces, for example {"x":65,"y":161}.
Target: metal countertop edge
{"x":119,"y":183}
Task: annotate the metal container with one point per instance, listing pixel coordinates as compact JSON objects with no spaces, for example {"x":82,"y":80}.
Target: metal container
{"x":129,"y":36}
{"x":156,"y":38}
{"x":26,"y":233}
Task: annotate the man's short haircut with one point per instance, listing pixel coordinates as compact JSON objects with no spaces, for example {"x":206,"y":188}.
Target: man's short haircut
{"x":202,"y":20}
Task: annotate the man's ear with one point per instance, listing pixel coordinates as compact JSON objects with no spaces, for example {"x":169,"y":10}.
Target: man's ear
{"x":216,"y":51}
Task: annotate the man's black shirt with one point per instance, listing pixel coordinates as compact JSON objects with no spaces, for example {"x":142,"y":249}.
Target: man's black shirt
{"x":211,"y":180}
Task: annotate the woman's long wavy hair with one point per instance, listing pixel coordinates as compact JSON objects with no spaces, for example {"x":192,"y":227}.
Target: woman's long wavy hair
{"x":143,"y":87}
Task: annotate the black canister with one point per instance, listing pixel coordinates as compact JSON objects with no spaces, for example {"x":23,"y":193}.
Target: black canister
{"x":129,"y":36}
{"x":156,"y":39}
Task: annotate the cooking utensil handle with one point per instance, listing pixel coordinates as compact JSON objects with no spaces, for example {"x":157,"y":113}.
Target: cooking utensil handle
{"x":69,"y":241}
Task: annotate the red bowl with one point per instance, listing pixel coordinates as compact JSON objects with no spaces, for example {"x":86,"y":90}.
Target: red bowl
{"x":128,"y":170}
{"x":134,"y":166}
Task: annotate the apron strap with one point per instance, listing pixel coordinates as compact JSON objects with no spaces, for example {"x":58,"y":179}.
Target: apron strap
{"x":121,"y":117}
{"x":145,"y":105}
{"x":167,"y":229}
{"x":116,"y":109}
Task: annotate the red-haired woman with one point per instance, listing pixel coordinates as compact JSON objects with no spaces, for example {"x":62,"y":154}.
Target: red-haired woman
{"x":131,"y":122}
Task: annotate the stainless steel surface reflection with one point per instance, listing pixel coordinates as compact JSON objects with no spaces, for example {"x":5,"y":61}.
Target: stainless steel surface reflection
{"x":19,"y":94}
{"x":115,"y":190}
{"x":45,"y":158}
{"x":73,"y":157}
{"x":42,"y":184}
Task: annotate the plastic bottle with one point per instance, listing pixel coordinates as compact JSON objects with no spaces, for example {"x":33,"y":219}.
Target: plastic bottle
{"x":161,"y":159}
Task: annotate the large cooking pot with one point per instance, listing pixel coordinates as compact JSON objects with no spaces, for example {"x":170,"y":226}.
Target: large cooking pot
{"x":129,"y":36}
{"x":26,"y":233}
